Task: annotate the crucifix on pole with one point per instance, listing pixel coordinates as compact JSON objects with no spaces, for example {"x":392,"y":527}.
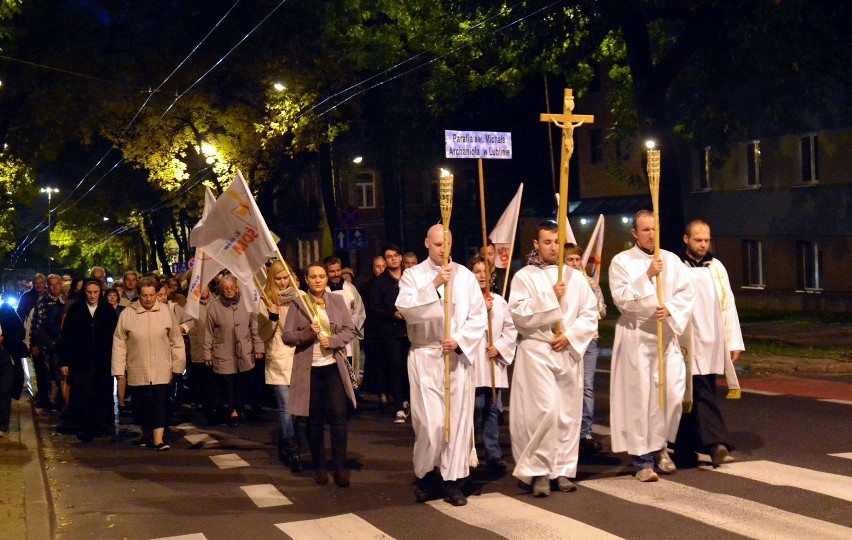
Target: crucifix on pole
{"x":566,"y":121}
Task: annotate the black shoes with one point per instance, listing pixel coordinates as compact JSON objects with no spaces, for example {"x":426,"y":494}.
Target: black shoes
{"x":429,"y":487}
{"x":341,"y":477}
{"x":321,"y":477}
{"x":454,"y":494}
{"x":590,"y":445}
{"x":496,"y":465}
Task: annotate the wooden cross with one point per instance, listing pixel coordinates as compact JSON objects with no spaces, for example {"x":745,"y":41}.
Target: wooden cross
{"x":566,"y":121}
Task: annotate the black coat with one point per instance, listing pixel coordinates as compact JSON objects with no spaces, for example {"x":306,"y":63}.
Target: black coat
{"x":85,"y":344}
{"x":13,"y":348}
{"x":382,"y":306}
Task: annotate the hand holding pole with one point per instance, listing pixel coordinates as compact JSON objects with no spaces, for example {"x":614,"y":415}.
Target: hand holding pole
{"x":654,"y":184}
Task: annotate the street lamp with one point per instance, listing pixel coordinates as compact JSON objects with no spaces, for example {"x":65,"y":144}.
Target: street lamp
{"x":50,"y":191}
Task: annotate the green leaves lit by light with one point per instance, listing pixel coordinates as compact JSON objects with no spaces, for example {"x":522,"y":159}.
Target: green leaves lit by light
{"x":17,"y":189}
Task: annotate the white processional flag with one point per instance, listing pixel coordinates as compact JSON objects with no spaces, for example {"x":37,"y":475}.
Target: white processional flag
{"x":569,"y":233}
{"x":235,"y":236}
{"x":203,"y":266}
{"x":503,"y":234}
{"x":593,"y":255}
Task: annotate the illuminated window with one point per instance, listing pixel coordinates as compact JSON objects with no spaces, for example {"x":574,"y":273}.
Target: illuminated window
{"x":808,"y":266}
{"x":365,"y":190}
{"x":753,"y":263}
{"x":753,"y":159}
{"x":810,"y":158}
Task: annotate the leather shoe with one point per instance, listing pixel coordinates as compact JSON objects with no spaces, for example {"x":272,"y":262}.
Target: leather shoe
{"x":566,"y":485}
{"x":234,"y":421}
{"x":590,"y":445}
{"x":665,"y":463}
{"x":647,"y":475}
{"x":541,"y":486}
{"x":295,"y":463}
{"x":454,"y":494}
{"x":497,"y":465}
{"x":341,"y":477}
{"x":321,"y":477}
{"x":720,"y":455}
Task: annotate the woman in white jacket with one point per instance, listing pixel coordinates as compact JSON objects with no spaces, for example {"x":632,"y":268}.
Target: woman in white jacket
{"x":280,"y":292}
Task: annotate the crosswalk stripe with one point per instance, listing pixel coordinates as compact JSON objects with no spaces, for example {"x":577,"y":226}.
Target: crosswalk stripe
{"x":201,"y":439}
{"x":196,"y":536}
{"x":228,"y":461}
{"x":761,"y":392}
{"x":514,"y":519}
{"x":778,"y":474}
{"x":348,"y":526}
{"x":845,"y":455}
{"x":266,"y":495}
{"x":840,"y":401}
{"x":734,"y":514}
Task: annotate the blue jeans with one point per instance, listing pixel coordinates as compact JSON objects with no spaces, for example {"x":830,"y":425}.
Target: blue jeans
{"x":590,"y":362}
{"x":644,"y":461}
{"x":285,"y":421}
{"x":487,"y":412}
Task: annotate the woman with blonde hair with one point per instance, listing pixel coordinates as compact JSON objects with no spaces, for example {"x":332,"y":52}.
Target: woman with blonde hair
{"x":280,"y":293}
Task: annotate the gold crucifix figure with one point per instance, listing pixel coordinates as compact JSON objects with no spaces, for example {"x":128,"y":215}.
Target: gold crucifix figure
{"x":566,"y":121}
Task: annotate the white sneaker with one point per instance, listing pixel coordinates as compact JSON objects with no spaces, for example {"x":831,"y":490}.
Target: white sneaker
{"x":400,"y":417}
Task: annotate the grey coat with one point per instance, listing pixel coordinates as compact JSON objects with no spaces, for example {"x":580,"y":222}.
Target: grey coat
{"x":230,"y":338}
{"x":297,"y":333}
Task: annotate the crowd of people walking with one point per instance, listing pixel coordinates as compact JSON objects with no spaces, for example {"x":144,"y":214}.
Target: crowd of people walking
{"x":440,"y":347}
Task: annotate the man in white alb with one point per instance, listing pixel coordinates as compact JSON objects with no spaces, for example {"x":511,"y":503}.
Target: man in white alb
{"x":422,"y":290}
{"x":546,"y":401}
{"x":639,"y":425}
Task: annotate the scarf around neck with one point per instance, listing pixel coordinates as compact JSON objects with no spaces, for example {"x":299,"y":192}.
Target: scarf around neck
{"x":230,"y":302}
{"x":287,"y":296}
{"x":534,"y":259}
{"x":705,"y":260}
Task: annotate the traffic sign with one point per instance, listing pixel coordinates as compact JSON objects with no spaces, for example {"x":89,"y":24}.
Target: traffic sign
{"x":355,"y":238}
{"x":349,"y":217}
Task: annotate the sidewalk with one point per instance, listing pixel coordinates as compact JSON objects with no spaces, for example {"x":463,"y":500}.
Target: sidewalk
{"x":26,"y":508}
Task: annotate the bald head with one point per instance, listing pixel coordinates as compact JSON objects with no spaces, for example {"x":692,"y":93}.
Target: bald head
{"x":435,"y":244}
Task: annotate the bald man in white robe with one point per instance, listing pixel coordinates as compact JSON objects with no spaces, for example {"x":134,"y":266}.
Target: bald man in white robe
{"x":422,"y":290}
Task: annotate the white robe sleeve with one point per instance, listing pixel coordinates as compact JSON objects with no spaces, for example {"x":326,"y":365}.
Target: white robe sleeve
{"x":359,"y":314}
{"x":681,"y":299}
{"x":733,"y":332}
{"x":506,"y":337}
{"x":418,"y":304}
{"x":469,"y":325}
{"x":632,"y":296}
{"x":530,"y":308}
{"x":580,"y":321}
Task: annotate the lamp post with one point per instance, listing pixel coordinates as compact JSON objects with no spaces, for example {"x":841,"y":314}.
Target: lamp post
{"x":50,"y":191}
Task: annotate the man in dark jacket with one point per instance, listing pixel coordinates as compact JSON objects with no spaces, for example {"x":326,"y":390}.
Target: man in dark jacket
{"x":12,"y":350}
{"x":44,"y":334}
{"x":85,"y":358}
{"x":392,"y":331}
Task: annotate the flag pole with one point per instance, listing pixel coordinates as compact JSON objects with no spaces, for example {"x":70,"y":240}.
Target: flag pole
{"x":487,"y":275}
{"x":654,"y":184}
{"x":445,"y":195}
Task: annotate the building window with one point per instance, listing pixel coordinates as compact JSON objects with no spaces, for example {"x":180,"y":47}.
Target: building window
{"x":753,"y":159}
{"x":596,"y":138}
{"x":809,"y":266}
{"x":365,"y":190}
{"x":753,"y":264}
{"x":703,"y":177}
{"x":810,"y":158}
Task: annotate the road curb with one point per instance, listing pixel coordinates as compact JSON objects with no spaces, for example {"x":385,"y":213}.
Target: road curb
{"x":38,"y":504}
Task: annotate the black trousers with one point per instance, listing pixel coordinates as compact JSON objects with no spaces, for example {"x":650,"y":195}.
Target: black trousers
{"x":91,"y":405}
{"x":327,"y":405}
{"x":235,"y":389}
{"x":7,"y":378}
{"x":396,"y":360}
{"x":702,"y":428}
{"x":150,"y":403}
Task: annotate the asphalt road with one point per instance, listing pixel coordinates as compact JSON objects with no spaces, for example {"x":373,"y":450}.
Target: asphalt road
{"x":112,"y":489}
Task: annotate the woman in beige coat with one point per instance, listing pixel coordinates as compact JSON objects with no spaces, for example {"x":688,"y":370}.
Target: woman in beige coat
{"x":320,"y":383}
{"x":148,"y":345}
{"x":231,"y":346}
{"x":279,"y":357}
